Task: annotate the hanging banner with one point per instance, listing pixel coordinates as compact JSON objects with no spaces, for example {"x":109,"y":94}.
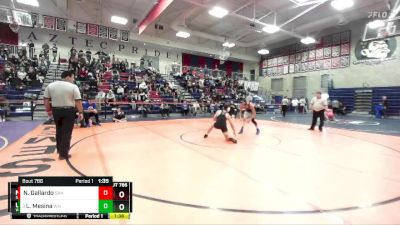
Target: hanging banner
{"x":124,"y":35}
{"x":81,"y":28}
{"x":113,"y":34}
{"x":93,"y":30}
{"x":5,"y":15}
{"x":49,"y":22}
{"x":103,"y":32}
{"x":61,"y":24}
{"x":35,"y":19}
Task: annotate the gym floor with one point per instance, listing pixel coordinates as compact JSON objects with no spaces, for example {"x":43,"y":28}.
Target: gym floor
{"x":348,"y":174}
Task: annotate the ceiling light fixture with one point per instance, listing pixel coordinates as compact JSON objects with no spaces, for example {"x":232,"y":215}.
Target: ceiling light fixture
{"x":263,"y":51}
{"x":270,"y":28}
{"x":308,"y":40}
{"x":228,"y":44}
{"x":218,"y":12}
{"x":342,"y":4}
{"x":376,"y":24}
{"x":119,"y":20}
{"x":183,"y":34}
{"x":29,"y":2}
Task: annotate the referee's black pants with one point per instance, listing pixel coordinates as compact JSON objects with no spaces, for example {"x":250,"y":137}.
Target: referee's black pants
{"x":64,"y":118}
{"x":321,"y":116}
{"x":284,"y":110}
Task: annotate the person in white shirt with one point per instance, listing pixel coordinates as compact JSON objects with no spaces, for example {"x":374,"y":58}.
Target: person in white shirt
{"x":302,"y":103}
{"x":285,"y":103}
{"x":318,"y":106}
{"x":110,"y":97}
{"x":295,"y":104}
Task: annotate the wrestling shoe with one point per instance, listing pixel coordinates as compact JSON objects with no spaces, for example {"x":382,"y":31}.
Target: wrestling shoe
{"x":233,"y":140}
{"x":258,"y":131}
{"x":241,"y":131}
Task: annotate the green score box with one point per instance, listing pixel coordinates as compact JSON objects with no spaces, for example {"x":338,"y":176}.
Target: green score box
{"x":105,"y":206}
{"x":121,"y":206}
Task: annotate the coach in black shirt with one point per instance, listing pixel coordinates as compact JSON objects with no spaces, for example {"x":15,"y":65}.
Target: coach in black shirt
{"x":65,"y":99}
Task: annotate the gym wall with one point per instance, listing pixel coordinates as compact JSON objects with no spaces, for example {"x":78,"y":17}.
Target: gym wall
{"x":359,"y":74}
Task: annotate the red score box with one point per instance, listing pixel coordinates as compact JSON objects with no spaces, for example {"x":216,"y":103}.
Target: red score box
{"x":105,"y":193}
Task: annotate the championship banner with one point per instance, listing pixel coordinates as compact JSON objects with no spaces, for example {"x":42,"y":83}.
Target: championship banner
{"x":103,"y":32}
{"x":5,"y":16}
{"x":49,"y":22}
{"x":23,"y":18}
{"x":113,"y":33}
{"x":35,"y":19}
{"x":92,"y":30}
{"x":124,"y":35}
{"x":61,"y":24}
{"x":81,"y":28}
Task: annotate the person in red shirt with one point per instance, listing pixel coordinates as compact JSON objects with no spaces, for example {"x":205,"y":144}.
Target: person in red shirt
{"x":83,"y":73}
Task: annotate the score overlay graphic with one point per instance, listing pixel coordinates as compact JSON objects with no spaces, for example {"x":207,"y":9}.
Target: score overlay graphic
{"x":69,"y":198}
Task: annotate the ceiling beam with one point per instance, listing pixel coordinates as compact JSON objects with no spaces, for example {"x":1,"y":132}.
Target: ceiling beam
{"x":242,"y":7}
{"x":154,"y":13}
{"x":302,"y":13}
{"x":194,"y":2}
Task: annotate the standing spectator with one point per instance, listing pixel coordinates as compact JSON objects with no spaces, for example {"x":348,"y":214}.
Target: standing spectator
{"x":65,"y":99}
{"x":302,"y":105}
{"x":3,"y":105}
{"x":164,"y":109}
{"x":318,"y":105}
{"x":385,"y":106}
{"x":285,"y":103}
{"x":185,"y":108}
{"x":295,"y":104}
{"x":54,"y":50}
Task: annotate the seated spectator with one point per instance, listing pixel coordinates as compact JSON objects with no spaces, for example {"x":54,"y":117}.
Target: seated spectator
{"x":120,"y":93}
{"x":143,"y":96}
{"x":115,"y":75}
{"x":143,"y":86}
{"x":195,"y":108}
{"x":89,"y":110}
{"x":110,"y":97}
{"x":143,"y":110}
{"x":83,"y":74}
{"x":100,"y":96}
{"x":119,"y":116}
{"x":342,"y":109}
{"x":233,"y":110}
{"x":335,"y":105}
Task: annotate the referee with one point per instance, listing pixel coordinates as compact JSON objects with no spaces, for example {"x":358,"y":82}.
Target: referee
{"x":65,"y":99}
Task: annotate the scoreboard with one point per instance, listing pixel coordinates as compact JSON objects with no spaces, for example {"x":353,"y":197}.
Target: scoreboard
{"x":69,"y":198}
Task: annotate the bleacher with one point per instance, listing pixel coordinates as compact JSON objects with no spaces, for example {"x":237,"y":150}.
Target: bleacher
{"x":155,"y":97}
{"x":347,"y":97}
{"x":344,"y":95}
{"x":16,"y":99}
{"x":393,"y":97}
